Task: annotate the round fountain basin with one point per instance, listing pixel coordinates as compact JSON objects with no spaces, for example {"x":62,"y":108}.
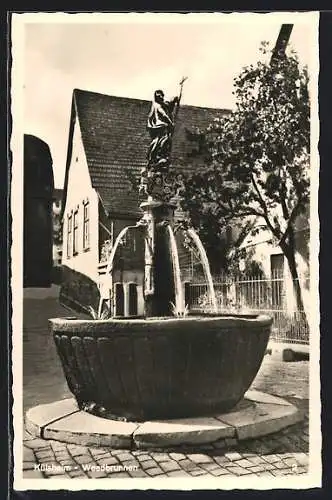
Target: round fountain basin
{"x":143,"y":369}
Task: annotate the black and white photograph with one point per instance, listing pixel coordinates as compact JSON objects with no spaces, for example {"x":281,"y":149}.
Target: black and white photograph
{"x":165,"y":242}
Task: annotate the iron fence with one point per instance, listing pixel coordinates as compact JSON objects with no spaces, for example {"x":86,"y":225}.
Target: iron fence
{"x":253,"y":294}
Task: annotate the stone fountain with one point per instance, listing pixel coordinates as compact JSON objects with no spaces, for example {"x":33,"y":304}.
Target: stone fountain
{"x":162,"y":365}
{"x":168,"y":378}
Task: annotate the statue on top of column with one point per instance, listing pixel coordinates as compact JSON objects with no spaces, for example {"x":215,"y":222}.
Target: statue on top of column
{"x":160,"y":125}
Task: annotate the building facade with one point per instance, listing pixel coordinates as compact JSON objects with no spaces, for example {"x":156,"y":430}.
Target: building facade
{"x":274,"y":265}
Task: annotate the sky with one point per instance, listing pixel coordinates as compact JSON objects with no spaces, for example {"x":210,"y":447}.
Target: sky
{"x":125,"y":58}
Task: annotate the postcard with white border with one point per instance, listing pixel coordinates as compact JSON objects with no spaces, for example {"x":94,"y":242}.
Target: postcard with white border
{"x":165,"y":241}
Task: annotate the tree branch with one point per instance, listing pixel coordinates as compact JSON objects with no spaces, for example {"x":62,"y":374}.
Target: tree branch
{"x":264,"y":207}
{"x":249,"y":211}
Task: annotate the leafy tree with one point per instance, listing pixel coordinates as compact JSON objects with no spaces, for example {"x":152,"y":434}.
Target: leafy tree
{"x":254,"y":172}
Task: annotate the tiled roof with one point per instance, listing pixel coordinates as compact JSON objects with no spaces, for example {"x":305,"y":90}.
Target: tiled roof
{"x":116,"y":141}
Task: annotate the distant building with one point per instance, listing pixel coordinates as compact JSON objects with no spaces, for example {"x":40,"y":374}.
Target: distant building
{"x":107,"y":147}
{"x":274,"y":264}
{"x":38,"y":192}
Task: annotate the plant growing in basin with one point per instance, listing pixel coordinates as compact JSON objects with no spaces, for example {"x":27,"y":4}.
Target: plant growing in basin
{"x":180,"y":312}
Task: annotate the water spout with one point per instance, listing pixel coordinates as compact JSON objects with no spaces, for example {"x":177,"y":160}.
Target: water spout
{"x":206,"y":267}
{"x":109,"y":267}
{"x":179,"y":296}
{"x":115,"y":247}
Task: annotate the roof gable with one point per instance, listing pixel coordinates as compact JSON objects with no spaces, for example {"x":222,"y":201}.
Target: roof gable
{"x":116,"y":140}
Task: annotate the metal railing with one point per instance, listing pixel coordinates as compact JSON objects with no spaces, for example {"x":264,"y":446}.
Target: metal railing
{"x":253,"y":294}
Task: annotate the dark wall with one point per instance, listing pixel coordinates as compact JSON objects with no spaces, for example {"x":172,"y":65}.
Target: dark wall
{"x":38,"y":194}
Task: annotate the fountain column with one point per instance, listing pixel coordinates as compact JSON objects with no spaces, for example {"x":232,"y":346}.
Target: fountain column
{"x":159,"y":289}
{"x":158,"y":273}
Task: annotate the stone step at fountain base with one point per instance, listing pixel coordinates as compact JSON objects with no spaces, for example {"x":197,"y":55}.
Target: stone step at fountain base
{"x":257,"y":415}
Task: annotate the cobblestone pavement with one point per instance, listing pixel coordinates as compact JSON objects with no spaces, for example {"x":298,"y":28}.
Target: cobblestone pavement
{"x":280,"y":454}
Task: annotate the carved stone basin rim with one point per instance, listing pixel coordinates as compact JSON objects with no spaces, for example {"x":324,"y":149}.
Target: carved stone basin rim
{"x":229,"y":319}
{"x":142,"y":369}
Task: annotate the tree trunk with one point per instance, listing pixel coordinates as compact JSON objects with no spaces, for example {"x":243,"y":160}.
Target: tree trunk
{"x":289,"y":252}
